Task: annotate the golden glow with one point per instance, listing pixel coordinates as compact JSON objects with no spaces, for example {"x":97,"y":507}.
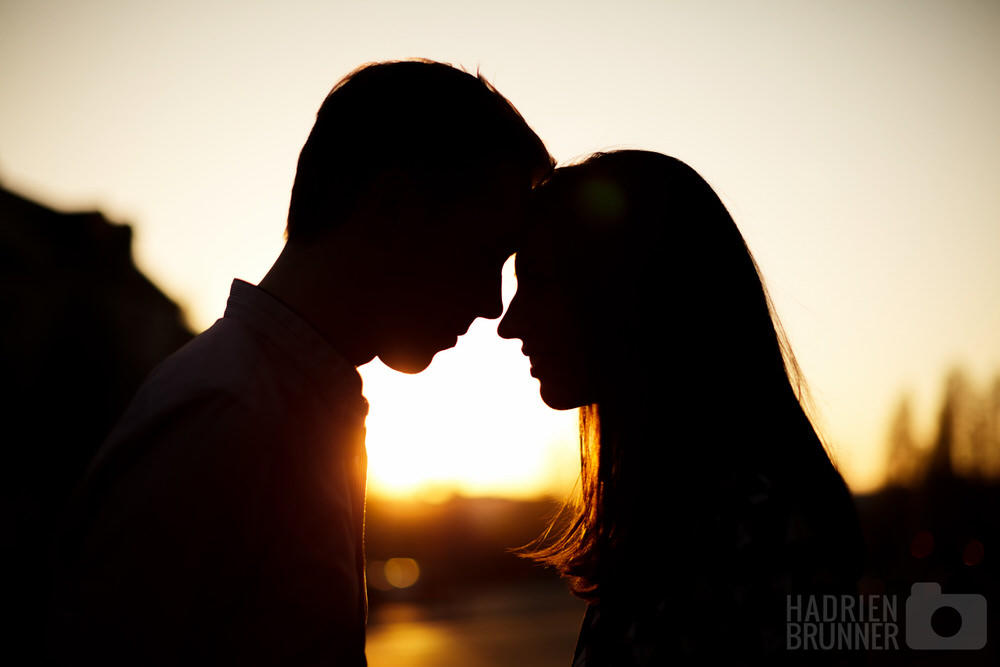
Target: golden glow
{"x":401,"y":572}
{"x":385,"y":575}
{"x":471,"y":424}
{"x":408,"y":643}
{"x":855,"y":144}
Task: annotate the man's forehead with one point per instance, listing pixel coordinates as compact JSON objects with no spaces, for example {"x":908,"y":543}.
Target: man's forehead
{"x":502,"y":207}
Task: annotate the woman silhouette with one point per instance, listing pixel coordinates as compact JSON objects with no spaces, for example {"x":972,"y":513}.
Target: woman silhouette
{"x":706,"y":495}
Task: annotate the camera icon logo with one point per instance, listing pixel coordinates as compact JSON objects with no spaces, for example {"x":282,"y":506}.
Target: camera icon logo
{"x":927,"y":604}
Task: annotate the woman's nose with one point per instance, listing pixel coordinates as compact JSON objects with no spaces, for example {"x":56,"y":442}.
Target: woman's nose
{"x":510,"y":325}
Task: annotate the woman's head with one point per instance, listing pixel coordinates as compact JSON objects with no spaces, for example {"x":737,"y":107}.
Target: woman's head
{"x":634,"y":274}
{"x":639,"y":301}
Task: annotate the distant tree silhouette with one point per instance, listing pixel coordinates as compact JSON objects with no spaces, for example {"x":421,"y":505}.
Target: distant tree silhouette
{"x":935,"y":520}
{"x":966,"y":443}
{"x":952,"y":418}
{"x":905,"y":458}
{"x":984,"y":437}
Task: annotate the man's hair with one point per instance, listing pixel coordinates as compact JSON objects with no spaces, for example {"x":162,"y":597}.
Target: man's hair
{"x":445,"y":128}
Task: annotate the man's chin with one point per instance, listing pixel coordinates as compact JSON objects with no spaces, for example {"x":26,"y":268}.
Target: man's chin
{"x":413,"y":361}
{"x":410,"y":368}
{"x":409,"y":364}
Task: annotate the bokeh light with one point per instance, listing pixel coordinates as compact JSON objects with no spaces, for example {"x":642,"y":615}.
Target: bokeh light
{"x":922,"y":545}
{"x":974,"y":553}
{"x":401,"y":572}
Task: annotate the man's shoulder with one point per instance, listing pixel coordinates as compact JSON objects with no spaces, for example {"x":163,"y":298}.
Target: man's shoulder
{"x":230,"y":395}
{"x":237,"y":360}
{"x":210,"y":386}
{"x":224,"y":357}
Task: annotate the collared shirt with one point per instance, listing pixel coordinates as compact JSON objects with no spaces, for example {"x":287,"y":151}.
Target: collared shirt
{"x":222,"y":520}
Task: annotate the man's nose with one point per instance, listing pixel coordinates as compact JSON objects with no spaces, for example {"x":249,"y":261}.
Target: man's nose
{"x":490,"y":291}
{"x":493,"y":307}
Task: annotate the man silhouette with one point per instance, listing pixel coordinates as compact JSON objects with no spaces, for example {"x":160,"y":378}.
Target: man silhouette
{"x":222,"y":520}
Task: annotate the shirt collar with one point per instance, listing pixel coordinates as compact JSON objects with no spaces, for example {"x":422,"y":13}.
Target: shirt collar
{"x":302,"y":344}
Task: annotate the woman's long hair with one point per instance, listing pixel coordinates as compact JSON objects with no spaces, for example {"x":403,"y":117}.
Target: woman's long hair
{"x":699,"y":390}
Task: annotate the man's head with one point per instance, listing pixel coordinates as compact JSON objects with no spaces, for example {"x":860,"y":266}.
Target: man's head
{"x":428,"y":168}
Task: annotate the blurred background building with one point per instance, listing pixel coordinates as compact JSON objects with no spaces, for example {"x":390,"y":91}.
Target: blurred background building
{"x":81,"y":328}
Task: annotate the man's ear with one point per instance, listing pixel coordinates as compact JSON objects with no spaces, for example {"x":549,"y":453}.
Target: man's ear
{"x":392,"y":202}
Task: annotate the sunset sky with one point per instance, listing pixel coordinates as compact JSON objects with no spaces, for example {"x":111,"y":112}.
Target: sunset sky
{"x":856,"y":143}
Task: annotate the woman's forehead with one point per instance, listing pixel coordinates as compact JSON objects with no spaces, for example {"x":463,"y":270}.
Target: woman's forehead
{"x":549,"y":251}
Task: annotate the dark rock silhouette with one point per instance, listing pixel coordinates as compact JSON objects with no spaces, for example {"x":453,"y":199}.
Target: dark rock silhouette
{"x":82,"y":326}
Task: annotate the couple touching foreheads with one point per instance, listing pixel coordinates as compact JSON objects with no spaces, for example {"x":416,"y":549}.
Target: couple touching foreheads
{"x":222,"y":520}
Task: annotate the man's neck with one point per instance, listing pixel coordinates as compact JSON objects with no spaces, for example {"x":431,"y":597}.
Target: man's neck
{"x":320,"y":283}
